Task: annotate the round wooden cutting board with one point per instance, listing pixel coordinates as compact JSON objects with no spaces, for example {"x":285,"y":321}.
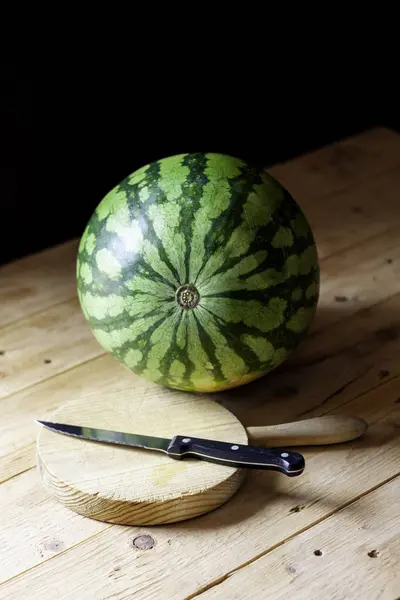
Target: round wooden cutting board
{"x":134,"y":486}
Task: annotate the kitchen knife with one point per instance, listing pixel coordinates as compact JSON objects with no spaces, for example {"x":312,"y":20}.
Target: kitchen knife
{"x":181,"y":446}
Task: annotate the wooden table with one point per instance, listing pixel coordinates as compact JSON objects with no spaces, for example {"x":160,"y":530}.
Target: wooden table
{"x":334,"y":532}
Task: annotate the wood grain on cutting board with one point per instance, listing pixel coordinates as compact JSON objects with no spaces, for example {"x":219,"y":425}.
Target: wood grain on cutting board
{"x":134,"y":486}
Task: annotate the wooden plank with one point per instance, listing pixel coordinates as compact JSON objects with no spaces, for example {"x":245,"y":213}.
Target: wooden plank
{"x":376,"y":323}
{"x":346,"y":218}
{"x":359,"y":547}
{"x":358,"y":278}
{"x":187,"y":557}
{"x":43,"y":345}
{"x":339,"y":165}
{"x":36,"y":282}
{"x":34,"y":528}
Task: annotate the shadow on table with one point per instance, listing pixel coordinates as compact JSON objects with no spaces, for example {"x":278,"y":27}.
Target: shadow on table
{"x":275,"y":496}
{"x":342,"y":349}
{"x":263,"y":493}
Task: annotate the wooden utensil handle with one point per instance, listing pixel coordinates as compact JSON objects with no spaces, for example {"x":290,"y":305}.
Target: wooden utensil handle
{"x":329,"y":429}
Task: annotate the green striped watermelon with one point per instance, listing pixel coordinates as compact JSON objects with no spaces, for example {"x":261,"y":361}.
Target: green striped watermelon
{"x":198,"y":272}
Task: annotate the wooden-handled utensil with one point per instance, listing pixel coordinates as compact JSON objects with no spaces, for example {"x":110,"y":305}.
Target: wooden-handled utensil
{"x":329,"y":429}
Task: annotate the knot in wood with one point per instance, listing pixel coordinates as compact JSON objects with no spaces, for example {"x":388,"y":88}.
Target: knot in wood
{"x":143,"y":542}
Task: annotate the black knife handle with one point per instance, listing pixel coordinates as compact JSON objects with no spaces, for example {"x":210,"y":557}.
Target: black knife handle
{"x":237,"y":455}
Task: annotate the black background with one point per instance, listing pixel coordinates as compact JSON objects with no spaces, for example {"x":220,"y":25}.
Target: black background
{"x":67,"y":139}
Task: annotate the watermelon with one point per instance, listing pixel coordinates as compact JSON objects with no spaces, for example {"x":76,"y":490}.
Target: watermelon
{"x":198,"y":272}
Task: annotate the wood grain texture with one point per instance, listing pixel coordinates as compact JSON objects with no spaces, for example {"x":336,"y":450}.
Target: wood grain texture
{"x":37,"y":282}
{"x":187,"y":557}
{"x":340,"y":165}
{"x":351,"y":216}
{"x":44,"y":344}
{"x":357,"y":278}
{"x":330,"y":429}
{"x":362,"y":562}
{"x":134,"y":486}
{"x":34,"y":527}
{"x":19,"y":411}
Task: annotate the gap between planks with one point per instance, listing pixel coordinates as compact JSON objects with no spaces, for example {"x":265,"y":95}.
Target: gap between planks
{"x":241,"y":571}
{"x":307,"y":413}
{"x":289,"y":538}
{"x":233,"y":571}
{"x":17,"y":474}
{"x":70,"y":548}
{"x":345,"y":249}
{"x":32,"y":386}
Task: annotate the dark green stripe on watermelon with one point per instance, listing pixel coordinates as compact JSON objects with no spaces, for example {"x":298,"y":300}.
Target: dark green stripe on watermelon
{"x":192,"y":189}
{"x":222,"y":227}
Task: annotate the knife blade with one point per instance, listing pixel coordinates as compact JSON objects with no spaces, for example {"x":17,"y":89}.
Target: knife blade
{"x":179,"y":447}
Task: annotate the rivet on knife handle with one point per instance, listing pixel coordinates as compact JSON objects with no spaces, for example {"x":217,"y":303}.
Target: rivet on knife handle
{"x":238,"y":455}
